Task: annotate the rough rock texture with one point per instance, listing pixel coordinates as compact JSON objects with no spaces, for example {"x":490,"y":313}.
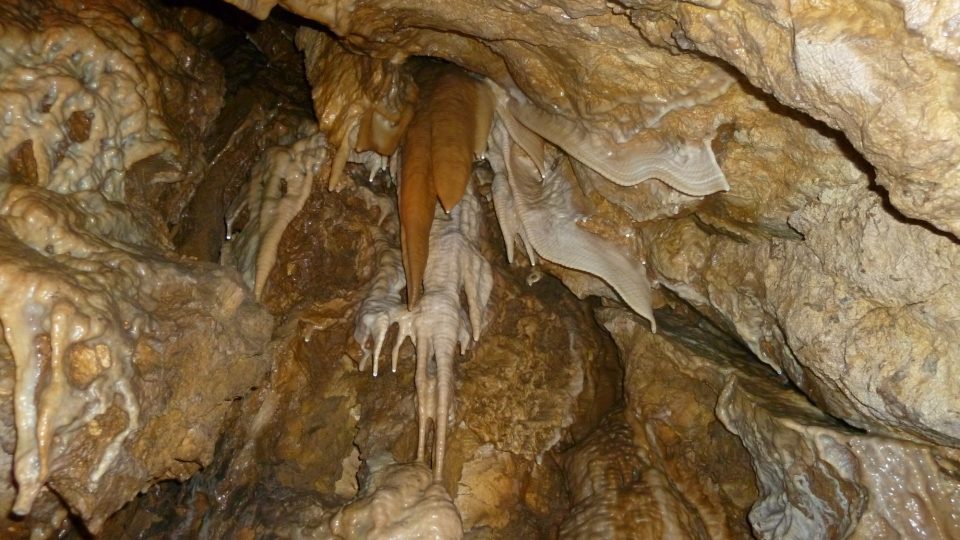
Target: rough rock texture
{"x":265,"y":100}
{"x":517,"y":399}
{"x":359,"y":100}
{"x":671,"y":393}
{"x":617,"y":494}
{"x":830,"y":260}
{"x":104,"y":90}
{"x":854,"y":67}
{"x":114,"y":380}
{"x":860,"y":68}
{"x":838,"y":482}
{"x":856,"y":313}
{"x":817,"y":478}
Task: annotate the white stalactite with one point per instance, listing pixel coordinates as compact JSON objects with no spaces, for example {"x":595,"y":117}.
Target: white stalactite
{"x":439,"y":324}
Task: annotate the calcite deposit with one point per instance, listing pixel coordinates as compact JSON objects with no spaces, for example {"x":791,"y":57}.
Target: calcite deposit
{"x":756,"y":203}
{"x":114,"y":380}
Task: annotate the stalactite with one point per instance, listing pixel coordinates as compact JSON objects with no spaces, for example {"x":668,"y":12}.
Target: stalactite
{"x":439,"y":325}
{"x":450,"y":126}
{"x":280,"y":184}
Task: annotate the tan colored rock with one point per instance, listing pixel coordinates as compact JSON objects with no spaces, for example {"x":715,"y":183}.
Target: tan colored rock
{"x":249,"y":124}
{"x":858,"y":67}
{"x":617,"y":493}
{"x":803,"y":261}
{"x":773,"y":172}
{"x":671,"y":396}
{"x":490,"y":488}
{"x":540,"y":370}
{"x":121,"y":403}
{"x":361,"y":103}
{"x":862,"y":329}
{"x":123,"y":358}
{"x":319,"y":424}
{"x":538,"y":377}
{"x":402,"y":502}
{"x":606,"y":61}
{"x":819,"y":479}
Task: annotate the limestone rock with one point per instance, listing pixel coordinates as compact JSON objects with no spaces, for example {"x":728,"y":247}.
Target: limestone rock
{"x":596,"y":80}
{"x":821,"y":480}
{"x":115,"y":380}
{"x":860,"y":68}
{"x":361,"y":103}
{"x":826,"y":315}
{"x":671,"y":394}
{"x":118,"y":383}
{"x":831,"y":262}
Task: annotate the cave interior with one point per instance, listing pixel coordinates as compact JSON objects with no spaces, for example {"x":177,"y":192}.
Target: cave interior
{"x":639,"y":269}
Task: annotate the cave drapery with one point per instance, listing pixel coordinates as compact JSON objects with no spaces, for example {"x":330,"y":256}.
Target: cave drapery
{"x":688,"y":268}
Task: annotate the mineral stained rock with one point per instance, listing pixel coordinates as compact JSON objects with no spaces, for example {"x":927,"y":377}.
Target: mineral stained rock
{"x":536,"y":378}
{"x":320,"y":432}
{"x":837,"y":482}
{"x":826,"y":273}
{"x":855,"y":69}
{"x":114,"y":378}
{"x":362,"y":103}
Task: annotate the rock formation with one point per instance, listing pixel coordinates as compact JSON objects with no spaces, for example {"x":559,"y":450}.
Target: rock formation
{"x":687,"y":268}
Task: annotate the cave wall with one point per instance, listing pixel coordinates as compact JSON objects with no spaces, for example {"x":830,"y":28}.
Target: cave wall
{"x":623,"y":70}
{"x":800,"y":383}
{"x":112,"y":382}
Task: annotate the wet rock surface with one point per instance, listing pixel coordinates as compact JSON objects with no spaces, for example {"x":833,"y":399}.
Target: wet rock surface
{"x":799,"y":383}
{"x":114,"y":380}
{"x":320,"y":430}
